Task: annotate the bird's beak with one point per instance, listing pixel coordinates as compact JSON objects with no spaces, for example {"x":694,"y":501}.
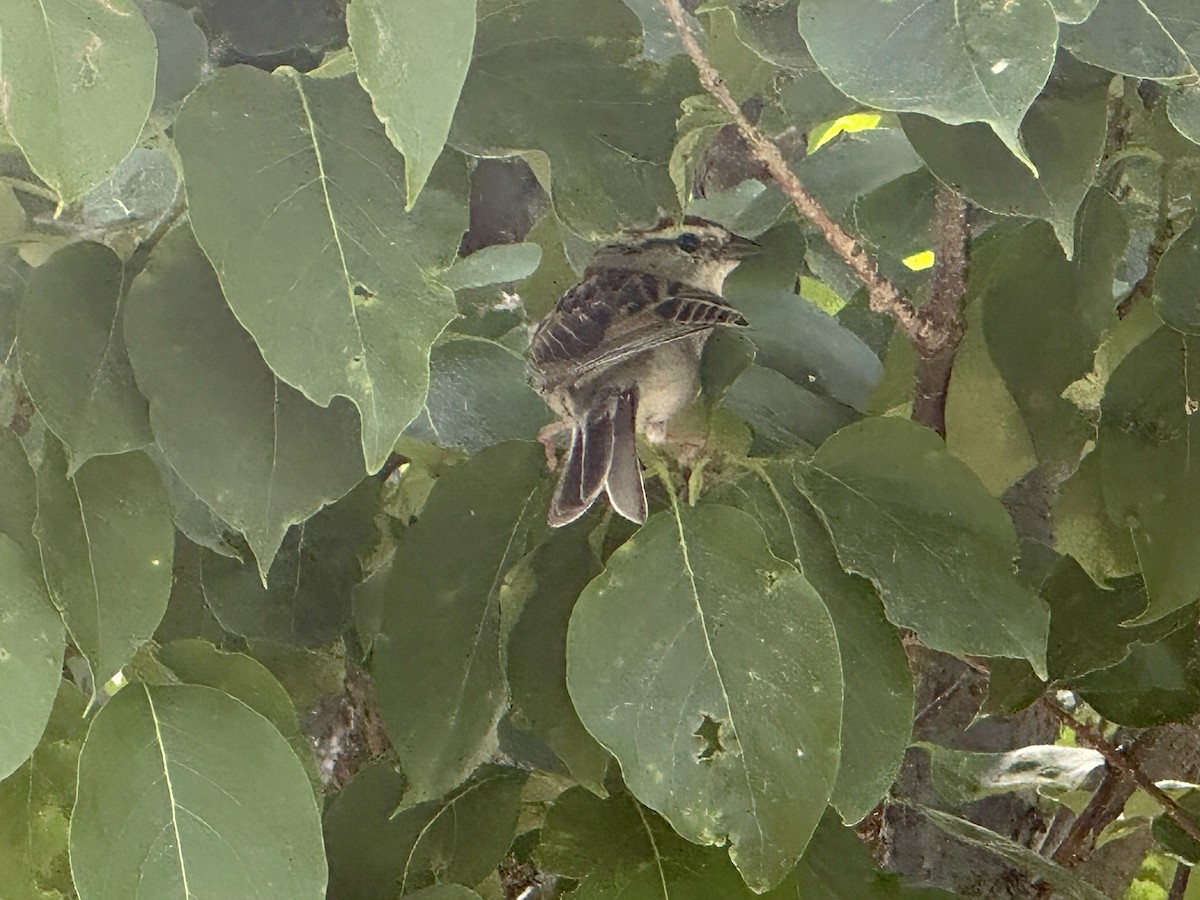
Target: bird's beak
{"x":740,"y":247}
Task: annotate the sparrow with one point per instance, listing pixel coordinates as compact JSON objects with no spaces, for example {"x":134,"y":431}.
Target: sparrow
{"x":620,"y":354}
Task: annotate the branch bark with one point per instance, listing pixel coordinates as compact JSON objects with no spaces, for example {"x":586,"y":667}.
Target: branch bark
{"x":883,"y":296}
{"x":943,"y":310}
{"x":1116,"y":759}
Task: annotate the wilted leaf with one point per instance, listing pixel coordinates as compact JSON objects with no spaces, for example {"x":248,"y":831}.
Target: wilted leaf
{"x":314,"y":179}
{"x":722,"y":699}
{"x":185,"y":791}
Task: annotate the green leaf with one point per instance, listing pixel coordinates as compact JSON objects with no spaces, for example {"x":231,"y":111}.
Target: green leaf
{"x":79,"y":80}
{"x":182,"y":51}
{"x":605,"y":120}
{"x":479,"y":395}
{"x":444,"y":892}
{"x":307,"y":596}
{"x":916,"y":521}
{"x":979,"y":63}
{"x":1174,"y":283}
{"x":1183,"y":108}
{"x":184,"y":791}
{"x":543,"y":589}
{"x":1043,"y":317}
{"x":856,"y":164}
{"x":1145,"y":462}
{"x":31,"y":655}
{"x":412,"y":59}
{"x":35,"y":807}
{"x":437,"y":662}
{"x":1073,"y":12}
{"x":73,"y":355}
{"x":784,"y":415}
{"x":723,"y":701}
{"x":376,"y":853}
{"x":620,"y":850}
{"x":1064,"y":132}
{"x":17,"y":486}
{"x":1085,"y":530}
{"x":1174,"y":839}
{"x":1147,"y":39}
{"x":194,"y":661}
{"x":877,"y":710}
{"x":1086,"y":622}
{"x":320,"y":231}
{"x":206,"y":382}
{"x":1156,"y":683}
{"x":497,"y":264}
{"x":838,"y":865}
{"x":107,"y":544}
{"x":1062,"y":880}
{"x":984,"y":427}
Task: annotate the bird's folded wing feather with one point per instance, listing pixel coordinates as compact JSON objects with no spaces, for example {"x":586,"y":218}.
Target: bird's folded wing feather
{"x":597,"y":324}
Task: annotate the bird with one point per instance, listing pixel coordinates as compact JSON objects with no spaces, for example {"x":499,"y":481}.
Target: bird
{"x":619,"y":354}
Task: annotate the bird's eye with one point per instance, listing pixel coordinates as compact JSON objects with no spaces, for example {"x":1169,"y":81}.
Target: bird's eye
{"x":689,"y":243}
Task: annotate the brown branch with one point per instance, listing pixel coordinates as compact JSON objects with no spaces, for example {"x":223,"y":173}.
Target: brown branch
{"x":1179,"y":884}
{"x":1116,"y":759}
{"x":883,"y":296}
{"x":1104,"y":807}
{"x":943,"y":310}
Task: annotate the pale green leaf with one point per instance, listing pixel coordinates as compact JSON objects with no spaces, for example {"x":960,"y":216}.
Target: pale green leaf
{"x":722,"y":699}
{"x":940,"y":549}
{"x":72,"y":350}
{"x":31,"y":655}
{"x":496,"y":264}
{"x":1175,"y":295}
{"x":1073,"y":12}
{"x":19,"y":490}
{"x":207,"y":385}
{"x":1183,"y":108}
{"x":186,"y":792}
{"x":107,"y":544}
{"x":412,"y":59}
{"x":78,"y":82}
{"x":969,"y":61}
{"x":437,"y":662}
{"x":320,"y":263}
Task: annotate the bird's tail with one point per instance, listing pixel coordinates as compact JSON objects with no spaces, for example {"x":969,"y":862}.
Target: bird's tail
{"x":603,"y":457}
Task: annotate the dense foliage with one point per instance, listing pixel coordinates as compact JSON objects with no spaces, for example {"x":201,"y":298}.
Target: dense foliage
{"x":280,"y":615}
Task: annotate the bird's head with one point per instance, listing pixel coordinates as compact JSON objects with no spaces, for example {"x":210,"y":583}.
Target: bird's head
{"x":694,"y":251}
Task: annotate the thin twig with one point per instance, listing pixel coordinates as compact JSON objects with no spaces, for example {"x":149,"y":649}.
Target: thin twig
{"x":1104,"y":807}
{"x":883,"y":296}
{"x":1090,"y":737}
{"x":1179,"y":884}
{"x":943,"y":311}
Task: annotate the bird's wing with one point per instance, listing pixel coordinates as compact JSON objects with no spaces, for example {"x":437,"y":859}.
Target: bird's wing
{"x":614,"y":315}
